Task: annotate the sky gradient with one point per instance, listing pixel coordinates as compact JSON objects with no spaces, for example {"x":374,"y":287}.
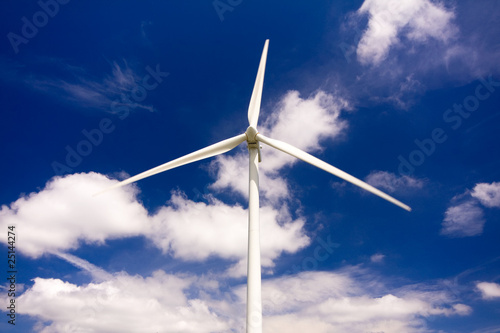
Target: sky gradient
{"x":404,"y":95}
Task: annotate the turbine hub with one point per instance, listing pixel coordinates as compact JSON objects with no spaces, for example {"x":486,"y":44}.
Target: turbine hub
{"x":251,"y":134}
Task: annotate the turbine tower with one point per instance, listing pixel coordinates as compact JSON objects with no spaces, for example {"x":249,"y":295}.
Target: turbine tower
{"x":253,"y":139}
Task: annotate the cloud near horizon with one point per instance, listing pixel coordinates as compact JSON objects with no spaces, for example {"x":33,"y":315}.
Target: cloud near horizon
{"x":350,"y":299}
{"x":123,"y":303}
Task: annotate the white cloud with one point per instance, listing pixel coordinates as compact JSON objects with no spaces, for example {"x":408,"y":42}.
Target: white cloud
{"x":412,"y":46}
{"x":463,"y":220}
{"x":487,"y":194}
{"x":467,"y":218}
{"x":391,"y":21}
{"x":393,"y":183}
{"x":348,"y":300}
{"x":195,"y":231}
{"x":377,"y":258}
{"x":65,"y":213}
{"x":123,"y":303}
{"x":316,"y":118}
{"x":97,"y":273}
{"x":232,"y":172}
{"x":489,"y":290}
{"x":338,"y":302}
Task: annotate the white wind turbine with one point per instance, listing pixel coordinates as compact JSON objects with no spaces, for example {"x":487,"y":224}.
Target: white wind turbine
{"x":253,"y":137}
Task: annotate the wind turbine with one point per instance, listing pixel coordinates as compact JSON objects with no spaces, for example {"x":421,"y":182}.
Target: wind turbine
{"x":253,"y":137}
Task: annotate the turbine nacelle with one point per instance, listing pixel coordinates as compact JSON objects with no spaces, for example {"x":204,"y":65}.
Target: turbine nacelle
{"x":251,"y":134}
{"x":252,"y":142}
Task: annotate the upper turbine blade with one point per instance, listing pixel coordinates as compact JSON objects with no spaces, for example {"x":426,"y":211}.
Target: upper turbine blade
{"x":254,"y":107}
{"x":296,"y":152}
{"x":215,"y":149}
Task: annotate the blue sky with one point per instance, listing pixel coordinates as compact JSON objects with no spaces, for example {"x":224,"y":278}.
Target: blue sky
{"x":402,"y":94}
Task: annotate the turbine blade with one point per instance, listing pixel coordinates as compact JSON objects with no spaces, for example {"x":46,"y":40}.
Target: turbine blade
{"x":296,"y":152}
{"x":215,"y":149}
{"x":254,"y":107}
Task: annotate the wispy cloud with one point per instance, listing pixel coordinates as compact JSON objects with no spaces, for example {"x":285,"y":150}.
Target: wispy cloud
{"x":408,"y":89}
{"x":144,"y":27}
{"x":493,"y":329}
{"x":97,"y":273}
{"x":74,"y":84}
{"x":377,"y":258}
{"x":393,"y":183}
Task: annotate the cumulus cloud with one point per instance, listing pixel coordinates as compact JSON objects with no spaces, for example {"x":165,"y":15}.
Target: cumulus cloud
{"x":342,"y":302}
{"x":392,"y":183}
{"x":401,"y":45}
{"x":489,"y":290}
{"x":404,"y":46}
{"x":487,"y":194}
{"x":195,"y":231}
{"x":463,"y":220}
{"x":64,"y":214}
{"x":232,"y":173}
{"x":467,"y":218}
{"x":316,"y":118}
{"x":392,"y":21}
{"x":347,"y":300}
{"x":123,"y":303}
